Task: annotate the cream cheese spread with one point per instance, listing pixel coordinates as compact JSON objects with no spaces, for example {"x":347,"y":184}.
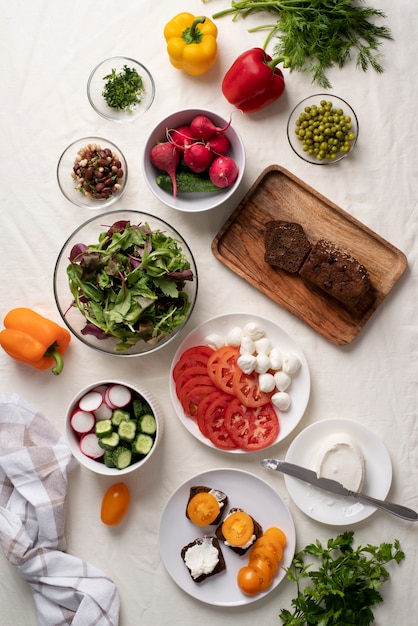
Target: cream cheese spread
{"x":341,"y":459}
{"x":202,"y":557}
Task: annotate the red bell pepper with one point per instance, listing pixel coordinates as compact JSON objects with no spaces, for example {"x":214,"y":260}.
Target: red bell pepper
{"x":253,"y":81}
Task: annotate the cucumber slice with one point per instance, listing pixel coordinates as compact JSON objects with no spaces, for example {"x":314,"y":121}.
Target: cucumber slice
{"x":147,"y":424}
{"x":143,"y":444}
{"x":110,"y":442}
{"x":119,"y":415}
{"x":122,"y":457}
{"x":103,"y":428}
{"x":127,"y":430}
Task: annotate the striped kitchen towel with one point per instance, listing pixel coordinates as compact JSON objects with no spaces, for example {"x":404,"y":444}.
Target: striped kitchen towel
{"x":34,"y":461}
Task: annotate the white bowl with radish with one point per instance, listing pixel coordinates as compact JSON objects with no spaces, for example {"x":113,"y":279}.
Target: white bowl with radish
{"x":194,"y":160}
{"x":113,"y":428}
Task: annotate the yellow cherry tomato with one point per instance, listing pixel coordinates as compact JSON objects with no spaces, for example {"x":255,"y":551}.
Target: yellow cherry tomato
{"x":115,"y":504}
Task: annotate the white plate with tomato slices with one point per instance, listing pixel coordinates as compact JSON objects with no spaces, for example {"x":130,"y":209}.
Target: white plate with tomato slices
{"x":226,"y":410}
{"x":244,"y":490}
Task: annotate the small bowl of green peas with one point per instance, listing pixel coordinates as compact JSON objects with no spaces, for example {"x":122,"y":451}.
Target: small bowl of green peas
{"x":322,"y":129}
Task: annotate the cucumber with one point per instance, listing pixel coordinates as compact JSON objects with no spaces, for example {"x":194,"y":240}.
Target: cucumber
{"x":122,"y":457}
{"x":143,"y":444}
{"x":103,"y":428}
{"x":110,"y":442}
{"x":119,"y":415}
{"x":187,"y":182}
{"x":147,"y":424}
{"x":127,"y":430}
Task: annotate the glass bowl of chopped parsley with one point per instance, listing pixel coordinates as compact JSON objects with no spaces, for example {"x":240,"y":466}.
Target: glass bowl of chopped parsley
{"x":120,"y":89}
{"x":125,"y":283}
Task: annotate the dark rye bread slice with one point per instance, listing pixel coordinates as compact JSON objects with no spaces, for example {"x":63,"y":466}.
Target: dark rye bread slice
{"x":219,"y":495}
{"x":220,"y":565}
{"x":258,"y":531}
{"x":339,"y":274}
{"x":285,"y":245}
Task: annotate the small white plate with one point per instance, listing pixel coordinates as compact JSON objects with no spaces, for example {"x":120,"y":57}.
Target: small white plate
{"x":326,"y":507}
{"x":245,"y":491}
{"x":299,"y":389}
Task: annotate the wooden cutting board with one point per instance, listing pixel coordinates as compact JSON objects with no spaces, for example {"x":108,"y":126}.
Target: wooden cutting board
{"x":279,"y":195}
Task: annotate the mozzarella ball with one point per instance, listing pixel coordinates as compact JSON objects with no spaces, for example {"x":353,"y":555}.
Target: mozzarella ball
{"x":247,"y":346}
{"x":263,"y":345}
{"x":262,"y":364}
{"x":247,"y":363}
{"x":281,"y":400}
{"x":282,"y":381}
{"x":266,"y":382}
{"x":214,"y":341}
{"x":291,"y":363}
{"x":253,"y":331}
{"x":234,"y":337}
{"x":276,"y":358}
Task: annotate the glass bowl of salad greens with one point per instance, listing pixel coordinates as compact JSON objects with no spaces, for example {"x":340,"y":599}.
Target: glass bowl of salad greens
{"x":125,"y":283}
{"x":120,"y":89}
{"x":322,"y":129}
{"x":113,"y":427}
{"x":92,"y":173}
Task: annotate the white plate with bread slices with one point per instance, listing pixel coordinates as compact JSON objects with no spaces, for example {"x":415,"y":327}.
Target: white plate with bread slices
{"x":315,"y":443}
{"x":176,"y":531}
{"x":232,"y":329}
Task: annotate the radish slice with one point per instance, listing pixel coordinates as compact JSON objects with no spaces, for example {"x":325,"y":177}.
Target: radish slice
{"x":91,"y":401}
{"x":89,"y":445}
{"x":104,"y":412}
{"x":117,"y":396}
{"x":82,"y":422}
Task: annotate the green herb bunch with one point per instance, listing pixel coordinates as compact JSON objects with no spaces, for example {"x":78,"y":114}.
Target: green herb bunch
{"x":123,"y":90}
{"x":315,"y":35}
{"x":345,"y":585}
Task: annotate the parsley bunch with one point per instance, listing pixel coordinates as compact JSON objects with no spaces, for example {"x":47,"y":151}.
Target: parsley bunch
{"x":344,"y":587}
{"x":315,"y":35}
{"x":123,"y":90}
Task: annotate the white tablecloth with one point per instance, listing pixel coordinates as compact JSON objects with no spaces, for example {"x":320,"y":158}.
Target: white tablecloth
{"x":47,"y":50}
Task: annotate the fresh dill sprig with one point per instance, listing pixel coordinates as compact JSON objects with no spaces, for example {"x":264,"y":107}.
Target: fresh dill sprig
{"x":123,"y":90}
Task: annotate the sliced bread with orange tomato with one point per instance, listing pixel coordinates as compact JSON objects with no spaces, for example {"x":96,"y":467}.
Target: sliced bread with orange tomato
{"x":206,"y":506}
{"x":238,"y":531}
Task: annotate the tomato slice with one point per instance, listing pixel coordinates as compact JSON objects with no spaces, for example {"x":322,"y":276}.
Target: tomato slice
{"x":203,"y":405}
{"x":248,"y":580}
{"x":222,"y":365}
{"x":252,"y":428}
{"x":188,"y":373}
{"x":189,"y":383}
{"x":203,"y":508}
{"x":238,"y":528}
{"x":197,"y":355}
{"x":214,"y":423}
{"x":246,"y":389}
{"x":191,"y":397}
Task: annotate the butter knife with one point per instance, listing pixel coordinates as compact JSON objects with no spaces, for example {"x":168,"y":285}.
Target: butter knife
{"x":309,"y":476}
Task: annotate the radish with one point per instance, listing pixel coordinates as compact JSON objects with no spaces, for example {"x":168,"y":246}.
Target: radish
{"x":203,"y":128}
{"x":197,"y":157}
{"x":117,"y":396}
{"x":89,"y":445}
{"x":219,"y":144}
{"x":165,"y":156}
{"x":104,"y":412}
{"x":181,"y":136}
{"x":90,"y":401}
{"x":223,"y":172}
{"x":82,"y":422}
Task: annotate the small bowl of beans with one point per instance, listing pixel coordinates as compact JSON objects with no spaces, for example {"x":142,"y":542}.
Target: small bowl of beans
{"x":92,"y":173}
{"x":322,"y":129}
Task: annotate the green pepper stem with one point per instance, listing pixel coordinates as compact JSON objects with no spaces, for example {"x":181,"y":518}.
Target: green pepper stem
{"x":192,"y":34}
{"x":54,"y":354}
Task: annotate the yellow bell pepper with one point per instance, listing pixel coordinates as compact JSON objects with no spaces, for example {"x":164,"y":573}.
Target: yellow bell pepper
{"x":191,"y":43}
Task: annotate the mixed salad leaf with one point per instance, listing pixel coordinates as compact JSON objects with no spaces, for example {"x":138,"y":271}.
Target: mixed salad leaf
{"x":130,"y":285}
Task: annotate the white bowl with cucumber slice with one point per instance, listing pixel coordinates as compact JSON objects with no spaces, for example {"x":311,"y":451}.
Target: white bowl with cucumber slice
{"x":113,"y":427}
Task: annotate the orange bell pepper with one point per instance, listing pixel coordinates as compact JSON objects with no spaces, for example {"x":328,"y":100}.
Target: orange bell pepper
{"x":31,"y":338}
